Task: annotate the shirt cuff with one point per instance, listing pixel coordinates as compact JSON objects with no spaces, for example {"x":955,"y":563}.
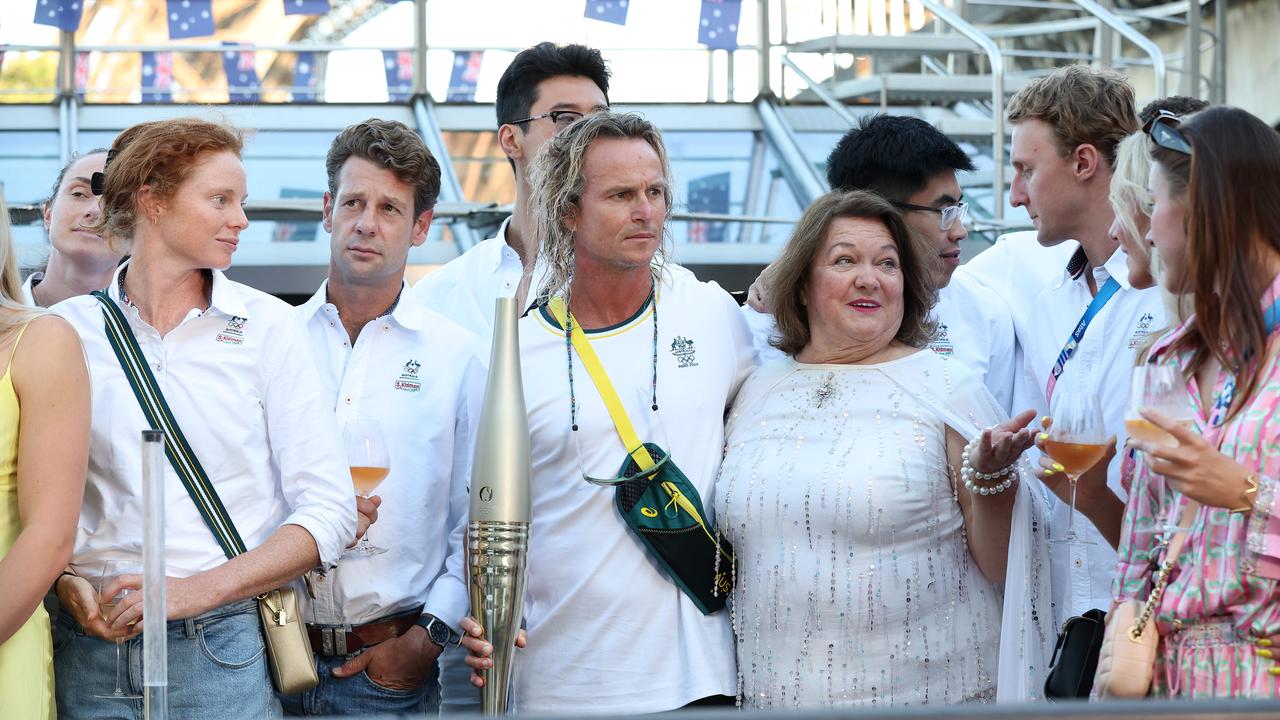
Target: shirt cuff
{"x":448,"y":600}
{"x":331,"y":534}
{"x":1262,"y":534}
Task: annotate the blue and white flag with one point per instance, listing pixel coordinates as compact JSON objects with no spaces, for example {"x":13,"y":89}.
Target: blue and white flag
{"x":399,"y":67}
{"x":718,"y":24}
{"x":708,"y":194}
{"x":157,"y":77}
{"x":62,"y":14}
{"x":465,"y":75}
{"x":189,"y":18}
{"x":610,"y":11}
{"x":243,"y":85}
{"x":304,"y":77}
{"x":306,"y":7}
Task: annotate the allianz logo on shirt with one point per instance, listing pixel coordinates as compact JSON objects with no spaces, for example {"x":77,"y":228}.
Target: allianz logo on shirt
{"x":408,"y":380}
{"x":233,"y":333}
{"x":941,"y":343}
{"x":1141,"y":332}
{"x":684,"y":352}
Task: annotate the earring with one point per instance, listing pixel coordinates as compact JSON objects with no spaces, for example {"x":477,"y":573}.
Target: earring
{"x":155,"y":219}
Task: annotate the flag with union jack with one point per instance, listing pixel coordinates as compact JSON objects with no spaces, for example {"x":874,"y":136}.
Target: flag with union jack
{"x":82,"y":74}
{"x":238,"y":62}
{"x":157,"y":77}
{"x":465,"y":75}
{"x":399,"y":67}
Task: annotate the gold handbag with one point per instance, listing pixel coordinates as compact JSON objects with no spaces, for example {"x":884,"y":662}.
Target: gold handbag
{"x":1127,"y":661}
{"x":293,"y":667}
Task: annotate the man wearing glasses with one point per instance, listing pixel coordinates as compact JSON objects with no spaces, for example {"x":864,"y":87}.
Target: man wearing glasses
{"x":544,"y":90}
{"x":913,"y":165}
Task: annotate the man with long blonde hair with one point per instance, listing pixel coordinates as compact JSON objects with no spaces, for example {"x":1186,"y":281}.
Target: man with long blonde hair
{"x":675,"y":350}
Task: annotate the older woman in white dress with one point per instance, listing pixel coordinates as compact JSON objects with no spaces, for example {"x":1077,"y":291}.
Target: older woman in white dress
{"x":873,"y":493}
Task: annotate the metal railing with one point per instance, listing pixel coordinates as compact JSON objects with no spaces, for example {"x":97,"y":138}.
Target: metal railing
{"x":1112,"y":21}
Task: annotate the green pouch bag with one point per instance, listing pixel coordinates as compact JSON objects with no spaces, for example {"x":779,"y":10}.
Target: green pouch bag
{"x":664,"y":510}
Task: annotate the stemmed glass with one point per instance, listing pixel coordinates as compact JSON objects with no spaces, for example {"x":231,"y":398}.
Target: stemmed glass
{"x":110,"y":571}
{"x":1160,"y":388}
{"x":1077,"y":441}
{"x":370,"y":463}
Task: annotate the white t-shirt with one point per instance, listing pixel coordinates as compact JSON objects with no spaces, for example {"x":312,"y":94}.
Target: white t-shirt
{"x":608,"y":632}
{"x":32,"y":280}
{"x":973,"y":328}
{"x":1102,"y":364}
{"x":421,"y":376}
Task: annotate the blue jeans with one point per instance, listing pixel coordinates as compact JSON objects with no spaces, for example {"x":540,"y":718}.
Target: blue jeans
{"x":360,"y":695}
{"x":217,"y":669}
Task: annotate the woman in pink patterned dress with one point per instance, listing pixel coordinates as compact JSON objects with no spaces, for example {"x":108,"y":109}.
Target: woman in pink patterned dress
{"x":1216,"y":226}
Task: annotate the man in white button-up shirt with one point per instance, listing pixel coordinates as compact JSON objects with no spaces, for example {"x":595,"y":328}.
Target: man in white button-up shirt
{"x":1065,"y":130}
{"x":380,"y":621}
{"x":544,"y":90}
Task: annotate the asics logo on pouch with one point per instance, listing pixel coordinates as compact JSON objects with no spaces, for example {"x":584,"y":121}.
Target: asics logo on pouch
{"x":408,"y":380}
{"x":1141,"y":332}
{"x":683,"y":351}
{"x":233,"y":333}
{"x":941,"y":343}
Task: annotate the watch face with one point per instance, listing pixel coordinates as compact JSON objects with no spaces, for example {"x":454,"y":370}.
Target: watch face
{"x":438,"y":632}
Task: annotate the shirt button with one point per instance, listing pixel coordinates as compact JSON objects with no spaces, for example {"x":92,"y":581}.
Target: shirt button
{"x":386,"y":328}
{"x":348,"y":401}
{"x":1078,"y":562}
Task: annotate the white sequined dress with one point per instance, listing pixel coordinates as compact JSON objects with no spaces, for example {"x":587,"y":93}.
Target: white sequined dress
{"x":855,"y":585}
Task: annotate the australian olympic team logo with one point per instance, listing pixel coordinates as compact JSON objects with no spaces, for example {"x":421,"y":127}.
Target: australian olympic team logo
{"x":1141,"y":332}
{"x":408,"y":380}
{"x":684,"y":352}
{"x":942,"y":341}
{"x":233,"y":333}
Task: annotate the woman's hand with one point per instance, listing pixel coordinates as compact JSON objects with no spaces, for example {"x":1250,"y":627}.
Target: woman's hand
{"x":755,"y":294}
{"x":479,"y":651}
{"x":1001,"y":445}
{"x":80,"y":600}
{"x":1091,"y":485}
{"x":1195,"y":468}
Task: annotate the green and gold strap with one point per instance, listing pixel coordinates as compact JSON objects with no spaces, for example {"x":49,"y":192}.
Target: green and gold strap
{"x":160,"y":417}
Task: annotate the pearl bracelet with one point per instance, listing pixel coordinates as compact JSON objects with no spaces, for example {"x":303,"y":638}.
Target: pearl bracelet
{"x":967,"y":474}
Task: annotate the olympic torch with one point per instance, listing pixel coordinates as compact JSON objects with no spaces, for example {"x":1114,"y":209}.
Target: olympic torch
{"x":498,"y":533}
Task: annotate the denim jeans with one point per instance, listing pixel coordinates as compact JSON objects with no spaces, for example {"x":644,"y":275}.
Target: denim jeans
{"x":360,"y":695}
{"x":217,"y":669}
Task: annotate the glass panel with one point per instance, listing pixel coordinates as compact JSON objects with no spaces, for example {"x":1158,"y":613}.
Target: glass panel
{"x":481,"y":167}
{"x":28,"y":165}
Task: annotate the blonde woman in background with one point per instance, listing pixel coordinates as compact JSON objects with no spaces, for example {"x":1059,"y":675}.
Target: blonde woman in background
{"x":42,"y":468}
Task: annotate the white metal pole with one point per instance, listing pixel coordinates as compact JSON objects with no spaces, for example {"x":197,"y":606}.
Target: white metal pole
{"x":155,"y":638}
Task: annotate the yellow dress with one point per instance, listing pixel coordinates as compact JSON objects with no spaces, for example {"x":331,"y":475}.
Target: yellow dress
{"x":26,"y":658}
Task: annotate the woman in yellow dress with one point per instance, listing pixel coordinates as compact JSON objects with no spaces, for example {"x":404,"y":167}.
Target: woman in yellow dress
{"x":43,"y":461}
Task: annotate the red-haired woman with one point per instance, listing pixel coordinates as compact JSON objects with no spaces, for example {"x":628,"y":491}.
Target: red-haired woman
{"x":235,"y":373}
{"x":1216,"y":227}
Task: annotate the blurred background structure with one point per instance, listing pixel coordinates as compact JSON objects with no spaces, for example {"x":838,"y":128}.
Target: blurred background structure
{"x":751,"y":94}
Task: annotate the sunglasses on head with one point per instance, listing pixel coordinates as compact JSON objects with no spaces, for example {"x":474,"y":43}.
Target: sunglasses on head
{"x":1163,"y":130}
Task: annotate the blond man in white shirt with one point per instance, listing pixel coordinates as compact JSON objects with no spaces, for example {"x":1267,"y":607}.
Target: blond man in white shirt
{"x":1066,"y":127}
{"x":608,"y":632}
{"x":232,"y":365}
{"x":379,"y":622}
{"x":544,"y":90}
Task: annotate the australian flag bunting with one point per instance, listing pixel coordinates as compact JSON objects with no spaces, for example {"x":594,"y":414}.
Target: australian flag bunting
{"x":243,"y":85}
{"x":718,"y":24}
{"x":189,"y":18}
{"x":610,"y":11}
{"x":306,"y":7}
{"x":304,"y":77}
{"x":82,"y":73}
{"x":708,"y":194}
{"x":399,"y":67}
{"x":62,"y":14}
{"x":465,"y":75}
{"x":157,"y":77}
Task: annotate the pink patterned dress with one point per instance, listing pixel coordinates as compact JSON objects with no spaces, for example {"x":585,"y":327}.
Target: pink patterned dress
{"x":1224,"y":593}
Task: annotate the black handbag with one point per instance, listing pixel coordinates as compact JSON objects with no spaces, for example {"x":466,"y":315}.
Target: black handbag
{"x":1075,"y":657}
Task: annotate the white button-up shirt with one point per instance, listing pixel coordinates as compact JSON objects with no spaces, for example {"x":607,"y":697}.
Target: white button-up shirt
{"x":421,"y":376}
{"x":32,"y":280}
{"x":1102,"y":364}
{"x":240,"y":381}
{"x":464,"y":289}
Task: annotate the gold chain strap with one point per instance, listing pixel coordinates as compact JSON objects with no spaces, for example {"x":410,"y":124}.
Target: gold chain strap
{"x":1162,"y":578}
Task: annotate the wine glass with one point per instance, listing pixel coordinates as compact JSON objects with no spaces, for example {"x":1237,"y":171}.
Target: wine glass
{"x":110,"y":571}
{"x":1161,"y":388}
{"x":370,"y":462}
{"x":1077,"y":441}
